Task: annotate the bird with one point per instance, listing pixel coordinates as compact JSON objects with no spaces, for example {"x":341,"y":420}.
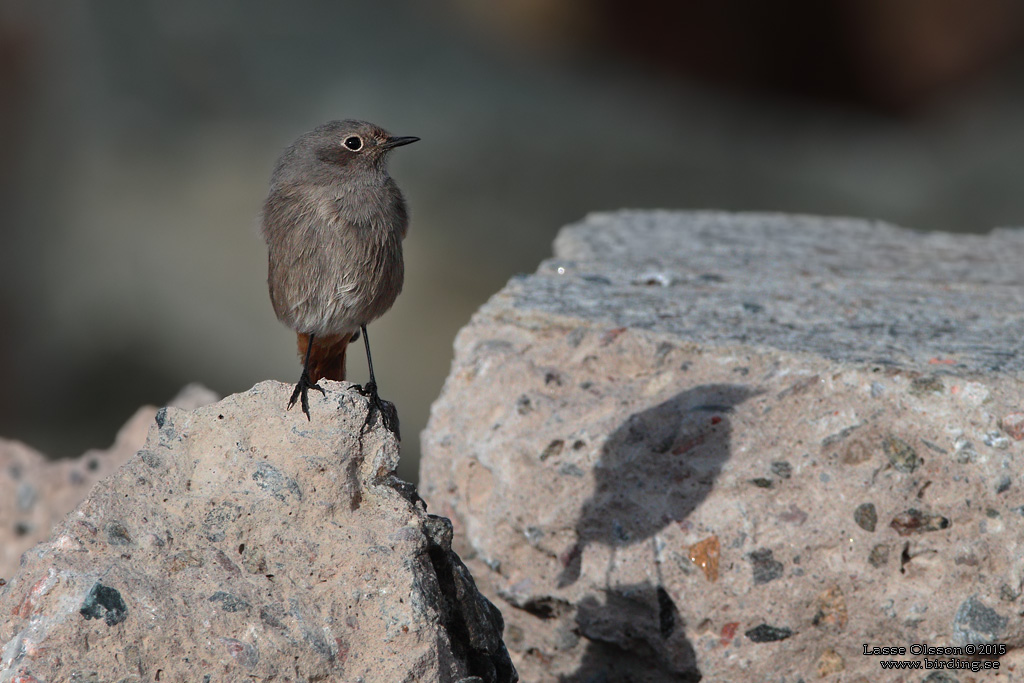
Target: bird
{"x":333,"y":222}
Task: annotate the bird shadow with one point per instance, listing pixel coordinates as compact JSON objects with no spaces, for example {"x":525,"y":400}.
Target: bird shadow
{"x":654,"y":470}
{"x":636,"y":635}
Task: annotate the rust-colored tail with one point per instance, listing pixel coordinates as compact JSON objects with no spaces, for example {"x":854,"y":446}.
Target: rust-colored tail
{"x":327,"y":357}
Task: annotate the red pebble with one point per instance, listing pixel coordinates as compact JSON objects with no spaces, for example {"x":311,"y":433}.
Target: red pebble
{"x":729,"y":632}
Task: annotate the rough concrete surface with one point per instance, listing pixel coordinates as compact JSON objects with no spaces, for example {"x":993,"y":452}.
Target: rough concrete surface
{"x":741,"y":447}
{"x":37,"y":493}
{"x":243,"y":542}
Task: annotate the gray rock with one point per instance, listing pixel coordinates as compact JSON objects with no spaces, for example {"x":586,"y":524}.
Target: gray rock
{"x":977,"y":623}
{"x":765,"y":567}
{"x":866,"y":516}
{"x":246,"y":542}
{"x":604,"y":446}
{"x":846,"y":289}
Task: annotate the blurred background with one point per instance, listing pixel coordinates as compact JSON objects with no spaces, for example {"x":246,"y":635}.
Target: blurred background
{"x":138,"y":137}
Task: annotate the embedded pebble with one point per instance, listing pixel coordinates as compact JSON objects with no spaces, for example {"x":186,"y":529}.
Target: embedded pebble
{"x":766,"y":567}
{"x":901,"y":454}
{"x":865,"y":516}
{"x":764,"y":633}
{"x":829,"y":663}
{"x":975,"y":622}
{"x":1013,"y":424}
{"x":996,"y":440}
{"x":705,"y":555}
{"x":964,"y":451}
{"x":929,"y":384}
{"x":914,"y":521}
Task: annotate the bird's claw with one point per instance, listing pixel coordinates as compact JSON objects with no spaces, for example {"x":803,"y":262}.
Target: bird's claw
{"x":386,"y":408}
{"x":302,"y":392}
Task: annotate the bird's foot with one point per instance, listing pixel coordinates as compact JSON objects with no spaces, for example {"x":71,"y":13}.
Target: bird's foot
{"x":386,"y":409}
{"x":302,"y":392}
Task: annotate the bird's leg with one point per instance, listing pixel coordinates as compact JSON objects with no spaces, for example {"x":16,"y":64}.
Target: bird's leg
{"x":304,"y":384}
{"x":385,"y":408}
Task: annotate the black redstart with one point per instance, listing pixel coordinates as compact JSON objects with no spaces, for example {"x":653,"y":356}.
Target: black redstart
{"x":334,"y":222}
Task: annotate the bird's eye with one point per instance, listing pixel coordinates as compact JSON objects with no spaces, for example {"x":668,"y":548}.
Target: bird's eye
{"x":354,"y":143}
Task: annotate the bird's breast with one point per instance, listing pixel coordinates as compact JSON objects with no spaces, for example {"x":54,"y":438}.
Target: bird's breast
{"x":339,"y":264}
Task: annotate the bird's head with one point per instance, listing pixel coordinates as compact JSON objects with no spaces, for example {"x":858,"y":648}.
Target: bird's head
{"x":339,"y":149}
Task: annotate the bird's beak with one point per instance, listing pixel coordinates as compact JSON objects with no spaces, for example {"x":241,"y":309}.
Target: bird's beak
{"x":391,"y":143}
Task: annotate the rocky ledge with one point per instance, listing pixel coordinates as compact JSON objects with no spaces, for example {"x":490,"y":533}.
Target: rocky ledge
{"x":243,"y":542}
{"x":740,"y":447}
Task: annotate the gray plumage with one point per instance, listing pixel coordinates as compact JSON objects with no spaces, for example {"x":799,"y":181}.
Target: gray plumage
{"x":333,"y":223}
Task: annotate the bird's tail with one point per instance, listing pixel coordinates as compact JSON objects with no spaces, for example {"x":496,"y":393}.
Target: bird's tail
{"x":327,"y":357}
